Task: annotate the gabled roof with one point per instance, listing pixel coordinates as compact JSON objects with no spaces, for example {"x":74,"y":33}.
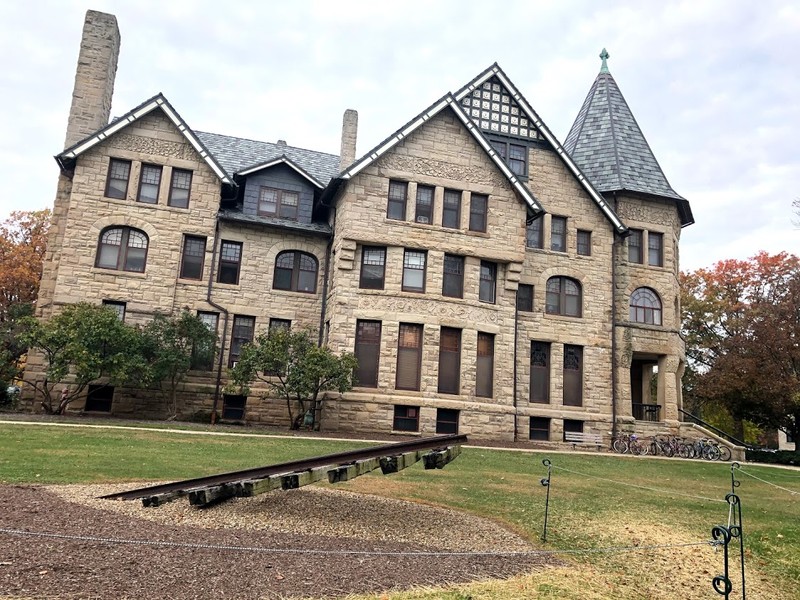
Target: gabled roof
{"x":447,"y":101}
{"x":282,"y":159}
{"x":238,"y":154}
{"x":611,"y":149}
{"x":495,"y":71}
{"x":158,"y":101}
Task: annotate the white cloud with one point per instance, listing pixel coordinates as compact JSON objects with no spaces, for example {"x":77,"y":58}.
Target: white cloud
{"x":712,"y":84}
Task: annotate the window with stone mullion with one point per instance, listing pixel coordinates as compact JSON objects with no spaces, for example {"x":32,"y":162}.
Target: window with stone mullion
{"x":414,"y":262}
{"x":367,"y":352}
{"x":484,"y":374}
{"x":453,"y":279}
{"x":449,"y":360}
{"x":396,"y":206}
{"x":373,"y":267}
{"x":409,"y":357}
{"x":488,"y":282}
{"x":573,"y":375}
{"x":149,"y":182}
{"x":451,"y":211}
{"x":424,"y":209}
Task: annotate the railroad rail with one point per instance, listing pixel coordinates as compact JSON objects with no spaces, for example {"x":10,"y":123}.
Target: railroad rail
{"x":340,"y":466}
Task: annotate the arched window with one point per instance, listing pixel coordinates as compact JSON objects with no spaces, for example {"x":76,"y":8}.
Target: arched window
{"x":563,"y":297}
{"x":295,"y":271}
{"x":645,"y":307}
{"x":123,"y":249}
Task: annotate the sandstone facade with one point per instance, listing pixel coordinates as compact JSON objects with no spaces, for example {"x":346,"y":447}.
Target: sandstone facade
{"x":533,"y":359}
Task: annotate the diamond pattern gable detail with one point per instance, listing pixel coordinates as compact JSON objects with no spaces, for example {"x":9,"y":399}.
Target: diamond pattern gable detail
{"x":494,"y":110}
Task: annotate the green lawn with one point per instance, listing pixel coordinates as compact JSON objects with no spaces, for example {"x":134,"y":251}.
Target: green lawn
{"x":594,"y":503}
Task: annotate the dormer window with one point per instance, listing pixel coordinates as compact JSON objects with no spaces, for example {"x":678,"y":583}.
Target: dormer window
{"x":273,"y":202}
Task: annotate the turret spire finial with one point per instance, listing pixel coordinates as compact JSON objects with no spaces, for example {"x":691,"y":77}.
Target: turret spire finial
{"x":605,"y":56}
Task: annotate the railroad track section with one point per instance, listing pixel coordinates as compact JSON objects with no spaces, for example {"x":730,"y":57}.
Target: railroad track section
{"x":435,"y":453}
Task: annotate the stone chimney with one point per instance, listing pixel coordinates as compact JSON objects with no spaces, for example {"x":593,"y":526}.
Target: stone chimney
{"x":347,"y":155}
{"x":94,"y":77}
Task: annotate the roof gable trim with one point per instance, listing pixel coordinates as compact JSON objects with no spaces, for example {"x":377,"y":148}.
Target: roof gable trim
{"x":495,"y":70}
{"x":447,"y":101}
{"x":158,"y":101}
{"x":283,"y":159}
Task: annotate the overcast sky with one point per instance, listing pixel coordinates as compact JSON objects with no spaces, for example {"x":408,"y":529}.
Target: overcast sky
{"x":715,"y":86}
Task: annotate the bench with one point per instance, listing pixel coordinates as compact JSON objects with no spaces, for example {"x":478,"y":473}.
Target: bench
{"x":576,"y":437}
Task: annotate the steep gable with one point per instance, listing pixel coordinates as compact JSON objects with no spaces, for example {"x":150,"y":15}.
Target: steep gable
{"x":158,"y":102}
{"x":496,"y":107}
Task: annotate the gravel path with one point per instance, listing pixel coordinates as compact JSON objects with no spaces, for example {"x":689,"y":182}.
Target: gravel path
{"x":299,"y":526}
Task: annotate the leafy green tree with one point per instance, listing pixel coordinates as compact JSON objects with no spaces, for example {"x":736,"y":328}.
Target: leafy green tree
{"x":296,"y":369}
{"x":172,"y":346}
{"x":12,"y":349}
{"x":81,"y":344}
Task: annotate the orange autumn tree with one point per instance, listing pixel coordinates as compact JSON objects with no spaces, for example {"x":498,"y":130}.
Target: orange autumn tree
{"x":741,"y":323}
{"x":23,"y":241}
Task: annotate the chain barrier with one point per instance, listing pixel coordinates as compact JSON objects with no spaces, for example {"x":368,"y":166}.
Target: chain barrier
{"x":420,"y":553}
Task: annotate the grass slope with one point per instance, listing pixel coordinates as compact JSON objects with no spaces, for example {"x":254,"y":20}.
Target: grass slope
{"x":597,"y":502}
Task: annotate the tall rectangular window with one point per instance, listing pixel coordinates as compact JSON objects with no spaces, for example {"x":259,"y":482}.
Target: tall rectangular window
{"x":149,"y":182}
{"x":573,"y":375}
{"x":203,"y":357}
{"x":655,"y":249}
{"x":396,"y":208}
{"x":540,"y":372}
{"x":478,"y":211}
{"x":117,"y":307}
{"x":449,"y":360}
{"x":373,"y":268}
{"x":406,"y":418}
{"x":635,"y":246}
{"x":453,"y":277}
{"x":534,"y":237}
{"x":539,"y":429}
{"x":230,"y":259}
{"x":119,"y":172}
{"x":368,"y":352}
{"x":414,"y":270}
{"x":525,"y":298}
{"x":243,"y":331}
{"x":409,"y":356}
{"x":488,"y":283}
{"x":484,"y":376}
{"x":446,"y":421}
{"x":451,"y":211}
{"x":424,"y":210}
{"x":584,"y":242}
{"x":180,"y":186}
{"x":194,"y":252}
{"x":558,"y":234}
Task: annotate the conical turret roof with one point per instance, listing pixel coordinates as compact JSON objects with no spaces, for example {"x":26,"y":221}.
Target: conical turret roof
{"x":607,"y":144}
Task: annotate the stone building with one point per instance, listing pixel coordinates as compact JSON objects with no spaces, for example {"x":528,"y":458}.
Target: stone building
{"x":489,"y":279}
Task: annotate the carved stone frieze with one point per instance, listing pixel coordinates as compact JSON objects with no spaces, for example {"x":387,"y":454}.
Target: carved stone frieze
{"x":146,"y":145}
{"x":438,"y":168}
{"x":649,"y":214}
{"x":447,"y":310}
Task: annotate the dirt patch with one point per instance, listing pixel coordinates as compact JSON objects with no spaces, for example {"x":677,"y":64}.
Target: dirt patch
{"x":312,"y":542}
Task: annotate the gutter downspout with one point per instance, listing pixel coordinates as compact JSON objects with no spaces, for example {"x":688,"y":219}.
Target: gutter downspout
{"x":324,"y":309}
{"x":614,"y":252}
{"x":224,"y":311}
{"x":516,"y":339}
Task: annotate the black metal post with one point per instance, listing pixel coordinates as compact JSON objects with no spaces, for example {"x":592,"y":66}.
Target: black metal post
{"x":546,"y":483}
{"x":722,"y":583}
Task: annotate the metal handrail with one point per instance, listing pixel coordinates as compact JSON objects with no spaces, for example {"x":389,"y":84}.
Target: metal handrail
{"x":724,"y":434}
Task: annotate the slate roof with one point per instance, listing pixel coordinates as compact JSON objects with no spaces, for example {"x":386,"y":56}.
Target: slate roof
{"x":314,"y":228}
{"x":610,"y":148}
{"x":236,"y":154}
